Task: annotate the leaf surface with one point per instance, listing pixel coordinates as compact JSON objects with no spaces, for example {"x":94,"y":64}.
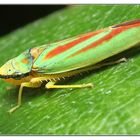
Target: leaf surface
{"x":111,"y":107}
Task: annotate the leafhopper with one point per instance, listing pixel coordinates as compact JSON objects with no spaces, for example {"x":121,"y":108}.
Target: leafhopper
{"x":69,"y":57}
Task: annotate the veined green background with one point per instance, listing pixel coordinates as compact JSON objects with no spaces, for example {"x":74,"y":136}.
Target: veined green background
{"x":111,"y":107}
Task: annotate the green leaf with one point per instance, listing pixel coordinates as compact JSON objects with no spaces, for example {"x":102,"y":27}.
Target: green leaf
{"x":111,"y":107}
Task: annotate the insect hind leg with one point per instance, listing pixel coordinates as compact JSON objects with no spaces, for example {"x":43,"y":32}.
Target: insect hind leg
{"x":52,"y":85}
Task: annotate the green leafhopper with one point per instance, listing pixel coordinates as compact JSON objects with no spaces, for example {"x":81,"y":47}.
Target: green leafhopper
{"x":69,"y":57}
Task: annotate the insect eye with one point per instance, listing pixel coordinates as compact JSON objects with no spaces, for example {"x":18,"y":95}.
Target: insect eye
{"x":9,"y":69}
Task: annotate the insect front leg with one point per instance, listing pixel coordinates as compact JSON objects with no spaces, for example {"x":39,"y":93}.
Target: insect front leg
{"x":26,"y":84}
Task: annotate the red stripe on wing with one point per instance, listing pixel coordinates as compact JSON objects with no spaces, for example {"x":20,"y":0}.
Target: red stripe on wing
{"x":114,"y":32}
{"x":61,"y":49}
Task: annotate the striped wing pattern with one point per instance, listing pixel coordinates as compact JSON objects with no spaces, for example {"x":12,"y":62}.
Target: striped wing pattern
{"x":88,"y":49}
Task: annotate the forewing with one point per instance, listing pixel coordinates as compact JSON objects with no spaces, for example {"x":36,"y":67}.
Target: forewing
{"x":88,"y":49}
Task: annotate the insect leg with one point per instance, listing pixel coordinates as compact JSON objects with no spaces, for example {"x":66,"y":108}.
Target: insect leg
{"x":110,"y":63}
{"x":38,"y":79}
{"x":51,"y":85}
{"x":115,"y":62}
{"x":27,"y":84}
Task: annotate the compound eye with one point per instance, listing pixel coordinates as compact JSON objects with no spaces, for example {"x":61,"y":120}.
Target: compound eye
{"x":9,"y":70}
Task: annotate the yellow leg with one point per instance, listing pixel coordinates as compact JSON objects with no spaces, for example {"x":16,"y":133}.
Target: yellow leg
{"x":38,"y":79}
{"x":110,"y":63}
{"x":51,"y":85}
{"x":27,"y":84}
{"x":115,"y":62}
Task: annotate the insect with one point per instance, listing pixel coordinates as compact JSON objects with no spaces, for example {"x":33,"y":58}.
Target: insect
{"x":69,"y":57}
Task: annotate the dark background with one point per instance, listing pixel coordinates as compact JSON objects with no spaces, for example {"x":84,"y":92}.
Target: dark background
{"x":15,"y":16}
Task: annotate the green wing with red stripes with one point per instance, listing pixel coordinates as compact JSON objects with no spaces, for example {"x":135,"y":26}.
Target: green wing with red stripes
{"x":88,"y":49}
